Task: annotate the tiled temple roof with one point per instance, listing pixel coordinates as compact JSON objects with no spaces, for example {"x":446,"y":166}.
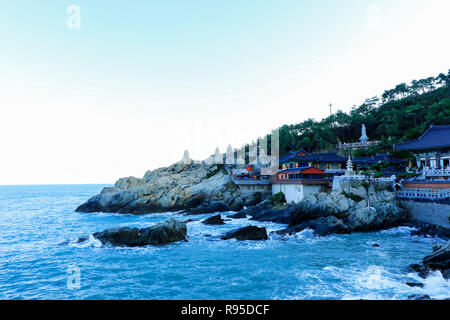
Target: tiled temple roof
{"x":321,"y":157}
{"x":375,"y":159}
{"x":314,"y":157}
{"x":436,"y":137}
{"x":290,"y":155}
{"x":298,"y":169}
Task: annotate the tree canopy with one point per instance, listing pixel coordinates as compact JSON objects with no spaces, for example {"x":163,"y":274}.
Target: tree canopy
{"x":400,"y":114}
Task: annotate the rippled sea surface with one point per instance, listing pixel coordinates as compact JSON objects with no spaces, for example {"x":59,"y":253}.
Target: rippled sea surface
{"x":35,"y":220}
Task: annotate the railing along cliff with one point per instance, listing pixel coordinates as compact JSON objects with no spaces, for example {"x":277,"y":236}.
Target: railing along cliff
{"x":433,"y":172}
{"x":250,"y":181}
{"x":423,"y":194}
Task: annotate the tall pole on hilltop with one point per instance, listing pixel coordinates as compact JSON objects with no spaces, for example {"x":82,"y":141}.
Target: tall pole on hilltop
{"x":330,"y":109}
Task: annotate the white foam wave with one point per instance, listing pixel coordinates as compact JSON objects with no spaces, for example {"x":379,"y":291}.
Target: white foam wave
{"x":90,"y":242}
{"x":435,"y":285}
{"x":401,"y":230}
{"x":377,"y":283}
{"x":309,"y":236}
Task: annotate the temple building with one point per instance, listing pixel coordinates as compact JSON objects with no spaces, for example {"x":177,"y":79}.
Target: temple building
{"x":297,"y":183}
{"x":329,"y":163}
{"x":302,"y":174}
{"x":393,"y":166}
{"x":432,"y":149}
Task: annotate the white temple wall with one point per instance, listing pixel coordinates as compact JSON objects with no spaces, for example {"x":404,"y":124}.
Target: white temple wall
{"x":296,"y":192}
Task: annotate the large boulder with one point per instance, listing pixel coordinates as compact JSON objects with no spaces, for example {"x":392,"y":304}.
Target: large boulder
{"x":215,"y":206}
{"x":429,"y":230}
{"x":265,"y":212}
{"x":253,"y":199}
{"x":304,"y":211}
{"x":238,"y":215}
{"x":439,"y":259}
{"x":255,"y":210}
{"x":321,"y":226}
{"x":282,"y":216}
{"x":362,"y":219}
{"x":214,"y":220}
{"x":159,"y":234}
{"x":247,"y":233}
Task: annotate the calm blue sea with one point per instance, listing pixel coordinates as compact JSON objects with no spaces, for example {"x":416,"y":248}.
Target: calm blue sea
{"x":35,"y":220}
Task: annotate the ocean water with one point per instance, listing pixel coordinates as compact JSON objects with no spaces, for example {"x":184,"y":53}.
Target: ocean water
{"x":35,"y":220}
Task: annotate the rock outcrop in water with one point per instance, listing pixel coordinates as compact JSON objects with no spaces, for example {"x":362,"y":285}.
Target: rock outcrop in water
{"x":439,"y":260}
{"x":214,"y":220}
{"x":196,"y":188}
{"x":429,"y":230}
{"x":266,"y":212}
{"x":159,"y":234}
{"x":247,"y":233}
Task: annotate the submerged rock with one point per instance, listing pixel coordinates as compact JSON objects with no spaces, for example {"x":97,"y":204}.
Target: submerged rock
{"x":415,"y":267}
{"x":415,"y":284}
{"x":247,"y":233}
{"x":282,"y":216}
{"x":446,"y":274}
{"x":238,"y":215}
{"x":419,"y":297}
{"x":159,"y":234}
{"x":214,"y":220}
{"x":321,"y":227}
{"x":429,"y":230}
{"x":216,"y":206}
{"x":254,"y":210}
{"x":264,"y":212}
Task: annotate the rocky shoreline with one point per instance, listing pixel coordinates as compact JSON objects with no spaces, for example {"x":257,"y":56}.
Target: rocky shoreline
{"x":193,"y":189}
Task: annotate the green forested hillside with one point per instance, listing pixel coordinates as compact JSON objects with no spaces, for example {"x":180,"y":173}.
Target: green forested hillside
{"x":400,"y":114}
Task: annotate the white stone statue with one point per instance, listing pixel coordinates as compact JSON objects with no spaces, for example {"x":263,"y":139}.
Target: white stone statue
{"x":229,"y":156}
{"x":218,"y":157}
{"x":186,"y":158}
{"x":364,"y":138}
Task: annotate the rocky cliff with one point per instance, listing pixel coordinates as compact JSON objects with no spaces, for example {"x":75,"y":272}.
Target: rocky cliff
{"x":358,"y":207}
{"x":198,"y":188}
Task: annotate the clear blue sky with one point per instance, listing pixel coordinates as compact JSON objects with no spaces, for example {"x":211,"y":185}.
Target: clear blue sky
{"x":141,"y":81}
